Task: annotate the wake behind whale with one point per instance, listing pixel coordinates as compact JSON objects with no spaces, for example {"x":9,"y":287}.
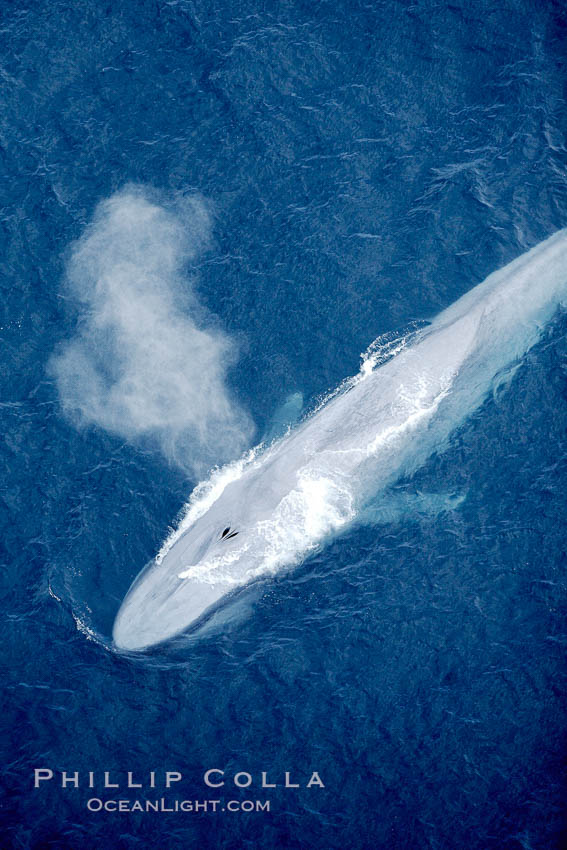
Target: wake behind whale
{"x":269,"y":509}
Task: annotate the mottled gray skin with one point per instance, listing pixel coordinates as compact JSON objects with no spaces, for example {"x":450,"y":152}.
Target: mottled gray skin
{"x":384,"y":424}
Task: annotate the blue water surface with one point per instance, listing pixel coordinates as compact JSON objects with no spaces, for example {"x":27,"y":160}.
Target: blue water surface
{"x":367,"y":163}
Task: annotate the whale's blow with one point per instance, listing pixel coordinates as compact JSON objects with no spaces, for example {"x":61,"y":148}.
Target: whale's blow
{"x":144,"y":362}
{"x":269,"y":509}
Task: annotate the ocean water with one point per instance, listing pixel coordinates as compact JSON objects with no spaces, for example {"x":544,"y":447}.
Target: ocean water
{"x":324,"y":173}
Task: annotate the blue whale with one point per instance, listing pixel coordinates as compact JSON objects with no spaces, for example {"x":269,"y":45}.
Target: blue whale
{"x":268,"y":510}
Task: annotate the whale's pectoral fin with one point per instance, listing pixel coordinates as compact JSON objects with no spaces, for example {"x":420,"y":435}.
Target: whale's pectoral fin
{"x":503,"y":380}
{"x":285,"y":416}
{"x":392,"y":507}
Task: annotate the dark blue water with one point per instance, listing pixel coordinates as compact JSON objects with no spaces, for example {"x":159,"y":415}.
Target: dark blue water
{"x":367,"y":163}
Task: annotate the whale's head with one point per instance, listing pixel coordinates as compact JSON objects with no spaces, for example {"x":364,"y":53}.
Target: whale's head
{"x":175,"y":591}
